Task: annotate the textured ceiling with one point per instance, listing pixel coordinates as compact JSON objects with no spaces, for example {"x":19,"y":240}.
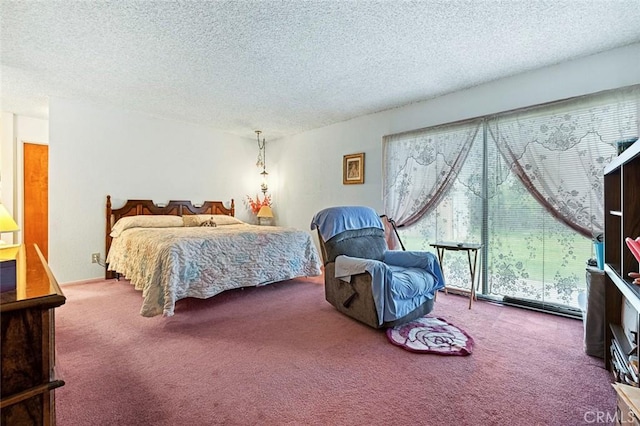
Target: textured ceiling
{"x":286,"y":66}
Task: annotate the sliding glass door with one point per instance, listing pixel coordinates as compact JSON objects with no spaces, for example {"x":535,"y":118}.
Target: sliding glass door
{"x":529,"y":189}
{"x":531,"y":255}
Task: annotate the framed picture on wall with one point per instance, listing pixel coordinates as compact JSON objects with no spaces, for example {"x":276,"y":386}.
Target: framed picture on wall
{"x":353,"y":169}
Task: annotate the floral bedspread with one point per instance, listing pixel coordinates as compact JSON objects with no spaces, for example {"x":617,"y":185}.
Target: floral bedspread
{"x":169,"y":264}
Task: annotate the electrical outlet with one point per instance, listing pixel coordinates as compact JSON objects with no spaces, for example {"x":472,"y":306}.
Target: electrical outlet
{"x":95,"y":258}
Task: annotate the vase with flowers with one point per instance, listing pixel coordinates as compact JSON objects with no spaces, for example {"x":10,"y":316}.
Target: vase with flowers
{"x":256,"y":204}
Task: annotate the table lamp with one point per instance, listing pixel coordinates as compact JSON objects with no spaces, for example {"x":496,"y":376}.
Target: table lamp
{"x":7,"y":224}
{"x":265,"y":215}
{"x":8,"y":265}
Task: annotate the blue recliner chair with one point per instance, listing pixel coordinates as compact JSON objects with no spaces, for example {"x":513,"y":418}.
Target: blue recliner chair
{"x":365,"y":280}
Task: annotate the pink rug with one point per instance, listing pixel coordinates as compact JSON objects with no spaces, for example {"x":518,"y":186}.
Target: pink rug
{"x":431,"y":335}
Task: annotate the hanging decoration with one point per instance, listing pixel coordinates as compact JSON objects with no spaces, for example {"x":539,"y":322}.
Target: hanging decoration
{"x":262,"y":162}
{"x":256,"y":204}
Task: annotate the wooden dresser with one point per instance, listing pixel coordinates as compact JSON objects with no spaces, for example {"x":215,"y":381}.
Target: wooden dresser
{"x":27,"y":341}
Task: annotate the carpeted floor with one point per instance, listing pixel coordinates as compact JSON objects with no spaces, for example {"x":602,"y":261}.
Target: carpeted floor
{"x":281,"y":354}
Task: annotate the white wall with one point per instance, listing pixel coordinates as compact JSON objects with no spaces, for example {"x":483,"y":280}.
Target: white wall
{"x":310,"y":163}
{"x":96,"y":151}
{"x":7,"y":152}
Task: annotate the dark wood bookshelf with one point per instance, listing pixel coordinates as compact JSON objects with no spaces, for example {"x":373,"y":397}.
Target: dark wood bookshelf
{"x":622,"y":220}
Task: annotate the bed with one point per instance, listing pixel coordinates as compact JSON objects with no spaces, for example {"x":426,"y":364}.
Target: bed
{"x":179,"y":250}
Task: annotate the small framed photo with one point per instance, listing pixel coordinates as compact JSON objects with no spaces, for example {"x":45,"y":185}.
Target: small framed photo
{"x":353,"y":169}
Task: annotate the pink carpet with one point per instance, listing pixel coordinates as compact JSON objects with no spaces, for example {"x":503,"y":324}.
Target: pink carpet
{"x":281,"y":354}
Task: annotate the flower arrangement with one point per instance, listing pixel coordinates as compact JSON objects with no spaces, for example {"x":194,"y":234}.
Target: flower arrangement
{"x":256,"y":204}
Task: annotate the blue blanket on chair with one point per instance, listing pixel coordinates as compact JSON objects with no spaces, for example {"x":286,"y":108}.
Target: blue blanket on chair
{"x":404,"y":281}
{"x":334,"y":220}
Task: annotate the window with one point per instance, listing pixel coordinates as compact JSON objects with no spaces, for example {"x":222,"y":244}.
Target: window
{"x":527,"y":183}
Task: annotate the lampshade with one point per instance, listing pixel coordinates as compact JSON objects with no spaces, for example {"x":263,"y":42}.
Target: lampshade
{"x":265,"y":211}
{"x":7,"y":224}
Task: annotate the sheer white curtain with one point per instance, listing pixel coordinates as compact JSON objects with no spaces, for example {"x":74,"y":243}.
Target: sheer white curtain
{"x":529,"y":186}
{"x":559,"y":151}
{"x":419,"y":168}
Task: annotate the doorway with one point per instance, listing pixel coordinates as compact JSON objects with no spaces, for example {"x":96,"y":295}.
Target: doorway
{"x":35,"y":226}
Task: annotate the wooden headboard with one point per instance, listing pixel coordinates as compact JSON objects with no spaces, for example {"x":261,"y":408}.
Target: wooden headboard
{"x":173,"y":207}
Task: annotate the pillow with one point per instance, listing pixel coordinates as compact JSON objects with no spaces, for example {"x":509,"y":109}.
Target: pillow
{"x":145,"y":221}
{"x":218,"y":219}
{"x":194,"y":220}
{"x":223,"y":219}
